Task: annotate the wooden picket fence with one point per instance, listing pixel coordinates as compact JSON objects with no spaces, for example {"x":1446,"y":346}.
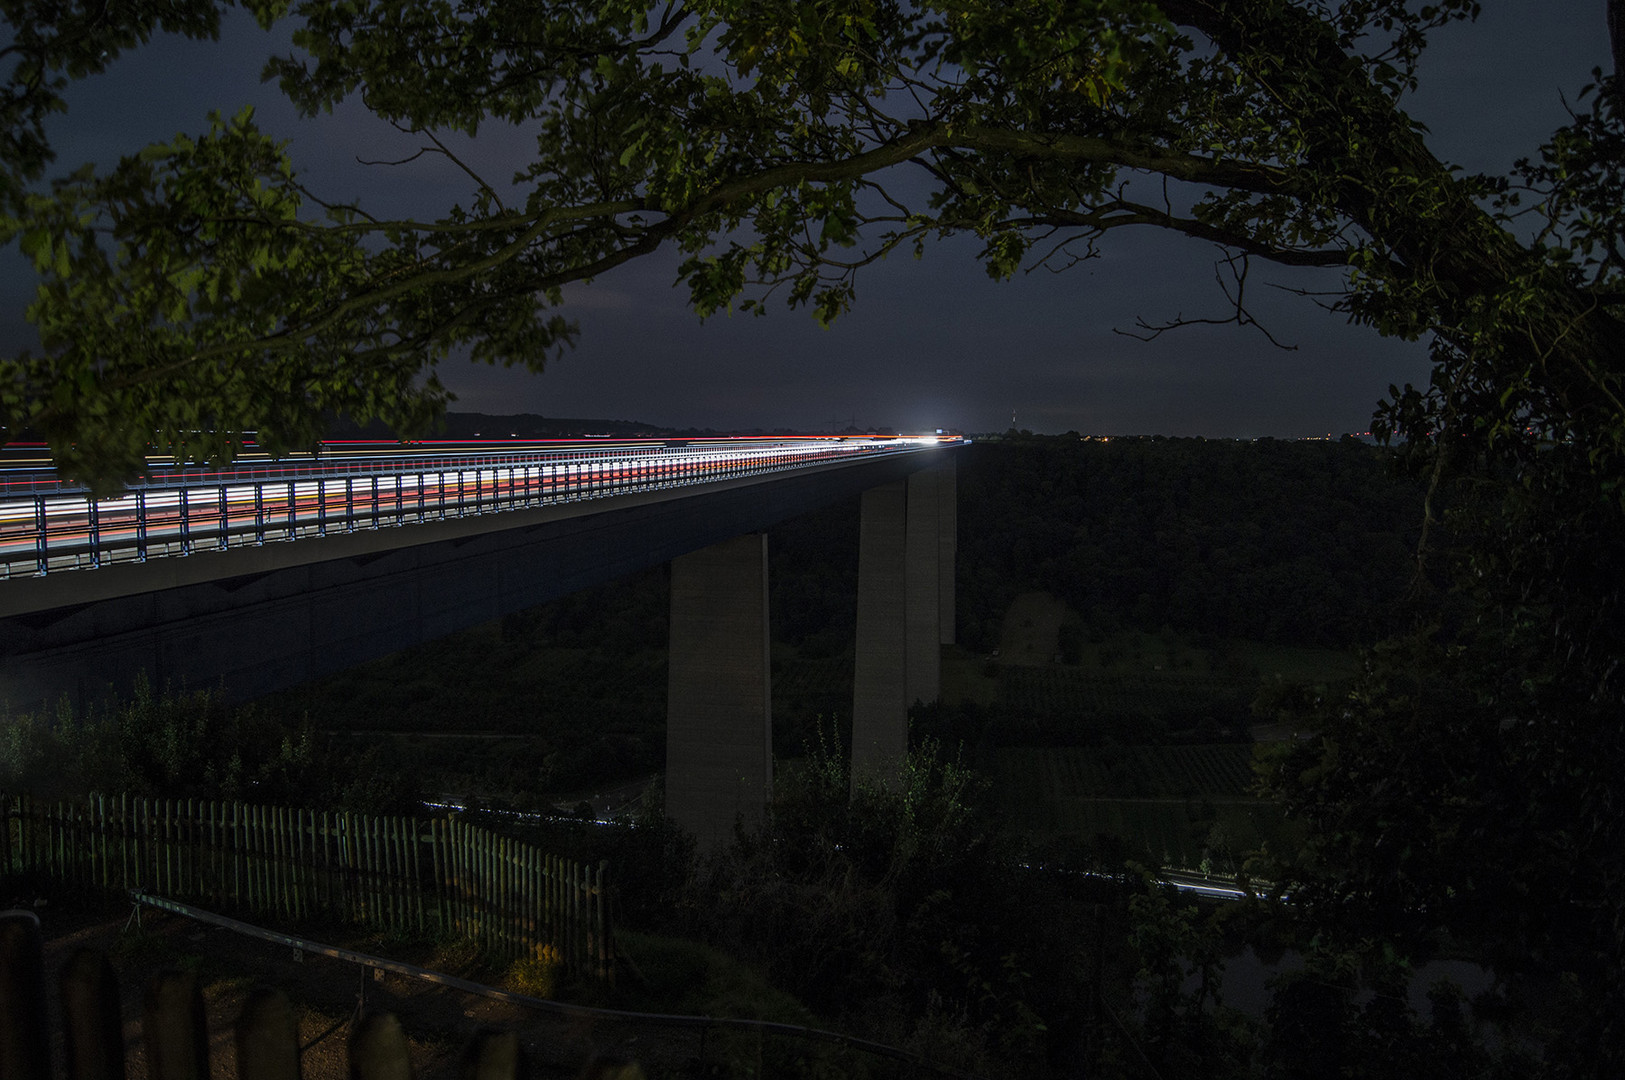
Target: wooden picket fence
{"x":439,"y":876}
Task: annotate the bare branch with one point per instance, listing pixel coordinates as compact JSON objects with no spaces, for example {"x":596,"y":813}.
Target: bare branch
{"x":401,"y":161}
{"x":1238,"y":263}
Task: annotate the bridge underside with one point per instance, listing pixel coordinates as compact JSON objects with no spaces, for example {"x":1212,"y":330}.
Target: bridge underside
{"x":259,"y":619}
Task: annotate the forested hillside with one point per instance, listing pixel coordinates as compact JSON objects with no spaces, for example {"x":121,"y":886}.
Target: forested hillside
{"x":1297,"y":542}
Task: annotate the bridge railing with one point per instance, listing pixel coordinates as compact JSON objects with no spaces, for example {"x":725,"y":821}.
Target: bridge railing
{"x":41,"y":534}
{"x":336,"y":461}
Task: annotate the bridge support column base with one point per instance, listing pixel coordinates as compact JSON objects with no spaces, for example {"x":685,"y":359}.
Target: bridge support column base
{"x":880,"y":674}
{"x":906,"y":553}
{"x":719,"y":730}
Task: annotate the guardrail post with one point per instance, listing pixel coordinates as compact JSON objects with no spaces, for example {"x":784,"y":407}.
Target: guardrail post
{"x":293,"y":511}
{"x":93,"y":1029}
{"x":173,"y":1028}
{"x":41,"y":555}
{"x":378,"y":1049}
{"x":93,"y":531}
{"x":267,"y":1038}
{"x":321,"y":506}
{"x":23,"y":1049}
{"x":225,"y":520}
{"x":185,"y":524}
{"x":349,"y":504}
{"x":140,"y":526}
{"x":493,"y":1055}
{"x":259,"y":514}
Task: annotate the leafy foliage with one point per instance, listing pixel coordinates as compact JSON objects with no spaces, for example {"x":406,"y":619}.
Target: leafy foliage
{"x":190,"y":744}
{"x":1469,"y":784}
{"x":892,"y":907}
{"x":1300,"y":542}
{"x":782,"y":147}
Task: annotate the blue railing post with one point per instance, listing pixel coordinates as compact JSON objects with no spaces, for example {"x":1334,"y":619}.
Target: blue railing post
{"x":349,"y":504}
{"x":259,"y":514}
{"x":41,"y":546}
{"x":225,"y":520}
{"x":185,"y":524}
{"x":140,"y":526}
{"x":293,"y":511}
{"x":321,"y":506}
{"x":93,"y":532}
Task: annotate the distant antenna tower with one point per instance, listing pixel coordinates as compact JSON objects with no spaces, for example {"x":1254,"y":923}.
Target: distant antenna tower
{"x":1012,"y":417}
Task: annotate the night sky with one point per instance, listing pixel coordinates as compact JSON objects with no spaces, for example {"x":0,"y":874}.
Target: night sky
{"x":930,"y":344}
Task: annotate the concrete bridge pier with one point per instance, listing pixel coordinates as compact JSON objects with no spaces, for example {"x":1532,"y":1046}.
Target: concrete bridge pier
{"x":719,"y":712}
{"x":947,"y":481}
{"x":719,"y":731}
{"x":906,"y":550}
{"x":880,"y":673}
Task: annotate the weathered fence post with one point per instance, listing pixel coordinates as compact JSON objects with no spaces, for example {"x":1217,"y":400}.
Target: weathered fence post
{"x":7,"y":813}
{"x":92,"y":1027}
{"x":493,"y":1055}
{"x":24,"y":1054}
{"x":173,"y":1028}
{"x":267,"y":1038}
{"x":613,"y":1067}
{"x":378,"y":1049}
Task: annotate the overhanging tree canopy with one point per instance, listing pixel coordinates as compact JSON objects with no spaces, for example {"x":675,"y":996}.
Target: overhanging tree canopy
{"x":197,"y":289}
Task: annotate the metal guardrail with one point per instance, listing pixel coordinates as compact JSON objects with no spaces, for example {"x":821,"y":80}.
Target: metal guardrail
{"x":544,"y":1005}
{"x":45,"y":533}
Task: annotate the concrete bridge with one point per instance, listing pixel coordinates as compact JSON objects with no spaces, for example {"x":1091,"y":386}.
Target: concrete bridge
{"x":271,"y":577}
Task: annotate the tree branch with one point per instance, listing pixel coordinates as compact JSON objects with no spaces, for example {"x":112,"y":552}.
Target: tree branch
{"x":1120,"y":213}
{"x":1240,"y":316}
